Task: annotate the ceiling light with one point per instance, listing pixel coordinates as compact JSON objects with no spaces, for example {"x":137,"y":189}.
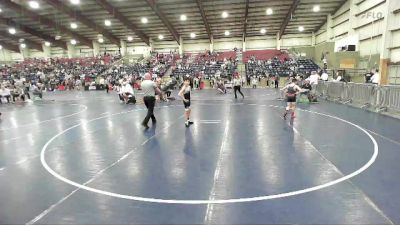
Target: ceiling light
{"x":23,"y":45}
{"x":47,"y":43}
{"x":73,"y":42}
{"x":227,"y":33}
{"x":160,"y":37}
{"x":225,"y":14}
{"x":192,"y":35}
{"x":316,"y":8}
{"x":107,"y":23}
{"x":12,"y":30}
{"x":75,"y":2}
{"x":183,"y":17}
{"x":301,"y":28}
{"x":130,"y":38}
{"x":33,"y":4}
{"x":57,"y":37}
{"x":263,"y":31}
{"x":269,"y":11}
{"x":1,"y":47}
{"x":144,"y":20}
{"x":1,"y":10}
{"x":74,"y":25}
{"x":101,"y":40}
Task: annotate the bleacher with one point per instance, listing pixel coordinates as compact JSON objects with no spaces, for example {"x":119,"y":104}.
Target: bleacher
{"x":264,"y":55}
{"x":275,"y":67}
{"x":209,"y":70}
{"x":306,"y":66}
{"x":276,"y":62}
{"x":57,"y":68}
{"x":207,"y":64}
{"x":221,"y":56}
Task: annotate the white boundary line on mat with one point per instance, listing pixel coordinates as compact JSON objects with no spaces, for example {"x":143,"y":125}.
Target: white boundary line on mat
{"x":213,"y":201}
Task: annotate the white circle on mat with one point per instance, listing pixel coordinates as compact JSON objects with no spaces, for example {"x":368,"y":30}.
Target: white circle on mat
{"x":216,"y":201}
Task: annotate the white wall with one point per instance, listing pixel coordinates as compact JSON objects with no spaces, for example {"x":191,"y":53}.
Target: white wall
{"x":260,"y":42}
{"x":321,"y":36}
{"x":137,"y":49}
{"x":348,"y":40}
{"x":289,"y":41}
{"x":36,"y":54}
{"x":365,"y":19}
{"x":227,"y":44}
{"x":394,"y":26}
{"x":165,"y":46}
{"x":84,"y":51}
{"x":5,"y":55}
{"x":340,"y":22}
{"x":189,"y":45}
{"x":16,"y":56}
{"x":58,"y":52}
{"x":370,"y":46}
{"x":194,"y":46}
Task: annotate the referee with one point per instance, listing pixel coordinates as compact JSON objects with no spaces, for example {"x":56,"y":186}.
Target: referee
{"x":149,"y":89}
{"x":237,"y":82}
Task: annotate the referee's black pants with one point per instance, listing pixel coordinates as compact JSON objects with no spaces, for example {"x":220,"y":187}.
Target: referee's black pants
{"x":237,"y":88}
{"x":150,"y":102}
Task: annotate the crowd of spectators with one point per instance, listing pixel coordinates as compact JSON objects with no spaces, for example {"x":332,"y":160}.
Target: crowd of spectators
{"x":274,"y":66}
{"x":100,"y":72}
{"x":206,"y":65}
{"x":56,"y":72}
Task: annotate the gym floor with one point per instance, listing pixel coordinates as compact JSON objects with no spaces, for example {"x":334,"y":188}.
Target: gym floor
{"x":84,"y":158}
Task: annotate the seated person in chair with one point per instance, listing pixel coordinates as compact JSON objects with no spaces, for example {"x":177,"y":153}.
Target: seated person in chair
{"x":5,"y":93}
{"x":37,"y":90}
{"x":18,"y":92}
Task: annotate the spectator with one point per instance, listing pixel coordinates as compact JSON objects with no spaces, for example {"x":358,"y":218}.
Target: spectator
{"x":338,"y":78}
{"x":276,"y":81}
{"x":37,"y":90}
{"x":254,"y":81}
{"x":325,"y":61}
{"x":314,"y":77}
{"x":18,"y":92}
{"x":368,"y":76}
{"x":5,"y":93}
{"x":376,"y":78}
{"x":324,"y":76}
